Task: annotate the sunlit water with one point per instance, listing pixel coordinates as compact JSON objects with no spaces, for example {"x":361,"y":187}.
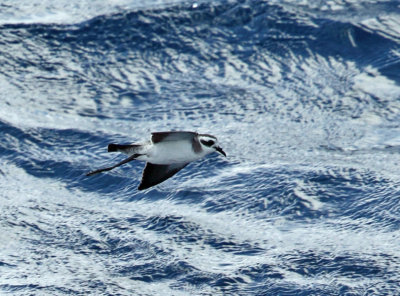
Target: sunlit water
{"x":304,"y":97}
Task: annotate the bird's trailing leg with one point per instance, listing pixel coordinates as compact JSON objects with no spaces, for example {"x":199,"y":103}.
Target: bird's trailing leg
{"x":130,"y":158}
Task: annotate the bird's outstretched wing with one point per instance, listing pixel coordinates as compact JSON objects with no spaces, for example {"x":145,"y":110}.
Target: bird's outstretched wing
{"x":154,"y":174}
{"x":172,"y":136}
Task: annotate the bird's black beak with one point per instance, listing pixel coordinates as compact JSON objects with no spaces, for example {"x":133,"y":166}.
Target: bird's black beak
{"x":219,"y":149}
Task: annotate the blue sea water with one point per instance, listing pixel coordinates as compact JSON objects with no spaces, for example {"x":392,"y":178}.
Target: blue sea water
{"x":304,"y":97}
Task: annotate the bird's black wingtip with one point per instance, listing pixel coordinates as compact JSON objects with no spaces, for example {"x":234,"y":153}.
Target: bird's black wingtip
{"x":112,"y":147}
{"x":142,"y":187}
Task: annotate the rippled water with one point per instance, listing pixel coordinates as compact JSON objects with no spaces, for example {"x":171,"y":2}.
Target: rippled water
{"x":304,"y":97}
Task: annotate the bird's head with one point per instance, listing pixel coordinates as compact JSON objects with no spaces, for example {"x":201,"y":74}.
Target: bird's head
{"x":209,"y":144}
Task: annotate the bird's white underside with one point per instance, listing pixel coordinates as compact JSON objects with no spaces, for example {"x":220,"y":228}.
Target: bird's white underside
{"x":170,"y":152}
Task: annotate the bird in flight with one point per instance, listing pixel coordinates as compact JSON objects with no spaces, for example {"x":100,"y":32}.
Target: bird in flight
{"x":165,"y":154}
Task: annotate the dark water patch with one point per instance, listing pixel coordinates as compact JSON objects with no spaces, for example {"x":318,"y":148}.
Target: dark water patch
{"x":16,"y":288}
{"x":5,"y":264}
{"x":153,"y":273}
{"x":25,"y":141}
{"x":319,"y":264}
{"x":229,"y":284}
{"x":389,"y":69}
{"x":260,"y":272}
{"x":184,"y":231}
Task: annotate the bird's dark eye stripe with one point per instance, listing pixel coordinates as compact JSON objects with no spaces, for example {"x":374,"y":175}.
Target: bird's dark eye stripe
{"x":208,"y":143}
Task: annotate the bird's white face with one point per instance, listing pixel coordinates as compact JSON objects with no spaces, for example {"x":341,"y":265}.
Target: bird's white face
{"x":210,"y":144}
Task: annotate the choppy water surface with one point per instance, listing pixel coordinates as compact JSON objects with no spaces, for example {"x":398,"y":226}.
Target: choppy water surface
{"x":303,"y":96}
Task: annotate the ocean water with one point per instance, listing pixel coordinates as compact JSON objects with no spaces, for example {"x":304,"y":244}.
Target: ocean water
{"x":304,"y":97}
